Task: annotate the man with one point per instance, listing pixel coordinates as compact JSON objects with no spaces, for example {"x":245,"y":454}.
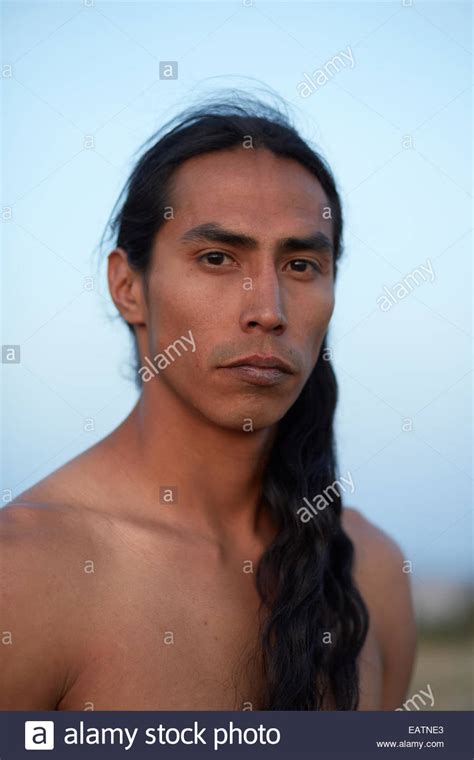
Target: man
{"x":174,"y":565}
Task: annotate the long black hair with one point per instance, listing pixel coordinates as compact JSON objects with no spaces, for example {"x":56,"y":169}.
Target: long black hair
{"x":315,"y":621}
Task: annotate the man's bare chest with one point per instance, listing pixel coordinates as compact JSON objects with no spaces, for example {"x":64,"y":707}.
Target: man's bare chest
{"x":178,"y":643}
{"x":171,"y":632}
{"x":191,"y":662}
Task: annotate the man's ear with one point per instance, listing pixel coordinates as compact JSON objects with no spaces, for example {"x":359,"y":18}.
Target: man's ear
{"x":126,"y":287}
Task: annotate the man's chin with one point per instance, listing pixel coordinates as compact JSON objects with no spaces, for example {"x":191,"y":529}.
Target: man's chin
{"x":248,"y":421}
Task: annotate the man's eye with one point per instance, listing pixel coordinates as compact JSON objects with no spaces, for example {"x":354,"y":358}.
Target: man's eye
{"x":300,"y":265}
{"x":216,"y":258}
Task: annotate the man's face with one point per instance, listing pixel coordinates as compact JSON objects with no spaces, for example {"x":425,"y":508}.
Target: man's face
{"x":272,"y":296}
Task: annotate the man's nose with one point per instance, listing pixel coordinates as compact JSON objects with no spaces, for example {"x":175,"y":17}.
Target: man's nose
{"x":262,"y":306}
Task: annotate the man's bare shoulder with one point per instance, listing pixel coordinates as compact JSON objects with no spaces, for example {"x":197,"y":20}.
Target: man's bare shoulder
{"x":371,"y":543}
{"x":42,"y":527}
{"x":40,"y":602}
{"x":51,"y":538}
{"x":45,"y":533}
{"x":82,"y":492}
{"x":383,"y":578}
{"x":379,"y":563}
{"x":58,"y":517}
{"x":39,"y":526}
{"x":75,"y":483}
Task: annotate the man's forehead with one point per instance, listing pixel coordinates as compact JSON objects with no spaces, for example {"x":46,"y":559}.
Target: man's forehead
{"x":241,"y":176}
{"x":259,"y":195}
{"x":253,"y":216}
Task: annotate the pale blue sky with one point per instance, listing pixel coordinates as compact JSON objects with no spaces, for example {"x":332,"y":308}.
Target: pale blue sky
{"x":83,"y":69}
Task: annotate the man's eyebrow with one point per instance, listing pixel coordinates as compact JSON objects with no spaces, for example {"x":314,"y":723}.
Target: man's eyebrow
{"x":214,"y":233}
{"x":217,"y":234}
{"x":317,"y":242}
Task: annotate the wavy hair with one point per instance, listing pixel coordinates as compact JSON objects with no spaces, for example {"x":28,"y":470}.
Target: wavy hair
{"x":314,"y":620}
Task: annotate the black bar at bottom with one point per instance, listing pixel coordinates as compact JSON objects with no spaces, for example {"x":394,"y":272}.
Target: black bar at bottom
{"x":285,"y":735}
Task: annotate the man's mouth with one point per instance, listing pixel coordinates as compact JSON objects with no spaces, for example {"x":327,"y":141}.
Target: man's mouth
{"x":259,"y":369}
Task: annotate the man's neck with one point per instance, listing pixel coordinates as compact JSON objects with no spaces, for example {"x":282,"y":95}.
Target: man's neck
{"x":194,"y":471}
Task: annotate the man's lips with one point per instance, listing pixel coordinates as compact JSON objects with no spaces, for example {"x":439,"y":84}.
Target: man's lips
{"x":258,"y":369}
{"x":262,"y":361}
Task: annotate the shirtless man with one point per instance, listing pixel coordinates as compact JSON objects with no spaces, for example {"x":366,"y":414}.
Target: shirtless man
{"x":129,"y":574}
